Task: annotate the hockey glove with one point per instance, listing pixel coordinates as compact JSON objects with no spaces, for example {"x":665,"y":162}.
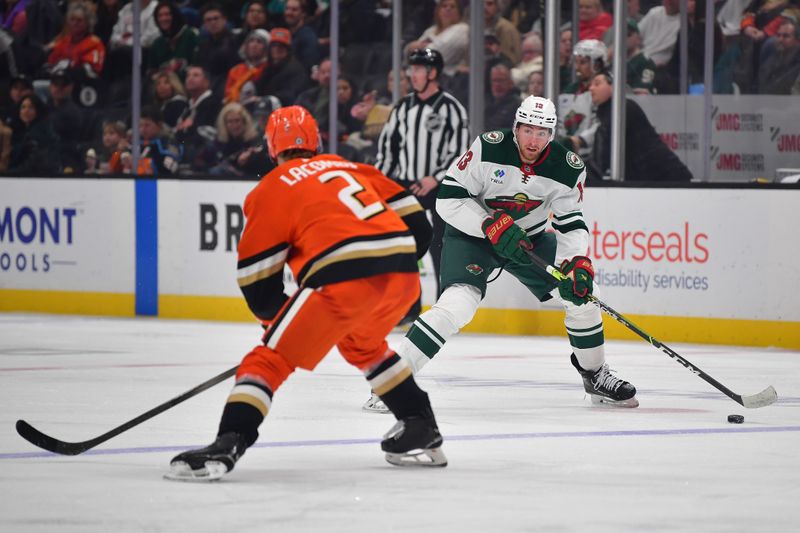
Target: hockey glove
{"x":507,"y":238}
{"x":579,"y":280}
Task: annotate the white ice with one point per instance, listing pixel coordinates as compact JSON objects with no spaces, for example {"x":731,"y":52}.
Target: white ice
{"x":527,"y":450}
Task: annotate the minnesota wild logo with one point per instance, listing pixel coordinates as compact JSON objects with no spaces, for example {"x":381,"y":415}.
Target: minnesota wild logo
{"x":474,"y":269}
{"x":517,"y":206}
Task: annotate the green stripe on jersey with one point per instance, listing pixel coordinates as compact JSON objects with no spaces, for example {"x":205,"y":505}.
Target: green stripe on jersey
{"x":450,"y":191}
{"x":571,"y":226}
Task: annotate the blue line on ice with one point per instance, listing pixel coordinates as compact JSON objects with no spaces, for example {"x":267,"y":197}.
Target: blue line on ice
{"x":450,"y":438}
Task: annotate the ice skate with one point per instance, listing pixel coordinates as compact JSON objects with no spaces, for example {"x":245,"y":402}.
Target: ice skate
{"x":605,"y":387}
{"x":375,"y":405}
{"x":414,"y":441}
{"x":209,"y":463}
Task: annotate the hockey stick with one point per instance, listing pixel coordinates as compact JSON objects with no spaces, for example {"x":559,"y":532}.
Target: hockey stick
{"x":766,"y":397}
{"x":46,"y":442}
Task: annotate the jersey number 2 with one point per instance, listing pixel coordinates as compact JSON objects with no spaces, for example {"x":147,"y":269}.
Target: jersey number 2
{"x":348,"y":195}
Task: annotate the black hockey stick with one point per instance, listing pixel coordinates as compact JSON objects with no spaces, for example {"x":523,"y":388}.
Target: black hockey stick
{"x":766,"y":397}
{"x":46,"y":442}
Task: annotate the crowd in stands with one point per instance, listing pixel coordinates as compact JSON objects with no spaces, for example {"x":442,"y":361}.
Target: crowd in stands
{"x":213,"y":72}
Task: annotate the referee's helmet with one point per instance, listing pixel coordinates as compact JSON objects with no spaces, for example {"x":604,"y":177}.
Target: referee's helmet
{"x":428,"y":57}
{"x":291,"y":128}
{"x":536,"y":111}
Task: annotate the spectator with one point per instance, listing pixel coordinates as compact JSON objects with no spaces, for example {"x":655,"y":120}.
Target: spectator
{"x":315,"y":100}
{"x":346,"y":98}
{"x":13,"y":18}
{"x":174,"y":49}
{"x":21,"y":85}
{"x":196,"y":126}
{"x":641,"y":71}
{"x":493,"y":54}
{"x":565,"y":60}
{"x":6,"y":134}
{"x":114,"y":143}
{"x":778,"y":73}
{"x":507,"y":34}
{"x":634,"y":14}
{"x":107,"y":17}
{"x":668,"y":82}
{"x":78,"y":48}
{"x":170,"y":97}
{"x":120,"y":46}
{"x":240,"y":85}
{"x":385,"y":95}
{"x":238,"y":150}
{"x":592,"y":20}
{"x":160,"y":155}
{"x":523,"y":14}
{"x":448,"y":35}
{"x":304,"y":39}
{"x":504,"y":99}
{"x":216,"y":52}
{"x":255,"y":18}
{"x":66,"y":119}
{"x":44,"y":20}
{"x":284,"y":77}
{"x":34,"y":144}
{"x":659,"y":29}
{"x":122,"y":33}
{"x":535,"y":85}
{"x":532,"y":60}
{"x":647,"y":157}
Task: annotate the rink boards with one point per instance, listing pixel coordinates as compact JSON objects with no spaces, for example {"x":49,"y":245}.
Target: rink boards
{"x":694,"y":265}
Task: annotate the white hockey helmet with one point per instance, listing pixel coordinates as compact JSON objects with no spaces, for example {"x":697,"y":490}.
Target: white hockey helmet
{"x":536,"y":111}
{"x":594,"y":49}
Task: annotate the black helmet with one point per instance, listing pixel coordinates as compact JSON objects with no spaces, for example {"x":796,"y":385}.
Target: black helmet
{"x":428,"y":57}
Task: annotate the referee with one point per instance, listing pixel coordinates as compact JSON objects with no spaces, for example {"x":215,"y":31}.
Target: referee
{"x":427,"y":130}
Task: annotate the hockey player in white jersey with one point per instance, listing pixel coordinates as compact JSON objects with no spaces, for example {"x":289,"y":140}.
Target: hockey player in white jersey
{"x":578,"y":125}
{"x":497,"y":199}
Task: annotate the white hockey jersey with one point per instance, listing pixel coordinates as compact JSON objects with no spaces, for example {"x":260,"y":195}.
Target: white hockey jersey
{"x":490,"y":176}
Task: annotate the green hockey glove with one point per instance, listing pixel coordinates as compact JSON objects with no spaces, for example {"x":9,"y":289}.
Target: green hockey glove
{"x":578,"y":284}
{"x":507,"y":238}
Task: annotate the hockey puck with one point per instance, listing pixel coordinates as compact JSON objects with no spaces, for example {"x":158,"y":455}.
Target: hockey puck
{"x":735,"y":419}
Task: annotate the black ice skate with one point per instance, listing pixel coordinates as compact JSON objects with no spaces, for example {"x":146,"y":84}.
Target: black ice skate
{"x":414,"y":441}
{"x":209,"y":463}
{"x":605,"y":387}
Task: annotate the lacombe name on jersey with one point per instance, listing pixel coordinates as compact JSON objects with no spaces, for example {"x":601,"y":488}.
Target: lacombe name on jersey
{"x":491,"y":172}
{"x":305,"y":170}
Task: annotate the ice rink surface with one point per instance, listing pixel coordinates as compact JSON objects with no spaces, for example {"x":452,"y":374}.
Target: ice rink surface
{"x":527,"y":450}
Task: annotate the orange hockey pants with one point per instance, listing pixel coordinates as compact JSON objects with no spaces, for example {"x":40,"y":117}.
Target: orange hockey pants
{"x":355,"y":316}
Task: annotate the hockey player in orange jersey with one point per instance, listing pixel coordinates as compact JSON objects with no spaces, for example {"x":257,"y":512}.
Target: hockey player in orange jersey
{"x":352,"y":238}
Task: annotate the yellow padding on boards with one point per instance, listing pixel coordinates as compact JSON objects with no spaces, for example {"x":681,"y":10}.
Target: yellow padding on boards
{"x":664,"y":328}
{"x":224,"y":308}
{"x":494,"y":321}
{"x":68,"y":302}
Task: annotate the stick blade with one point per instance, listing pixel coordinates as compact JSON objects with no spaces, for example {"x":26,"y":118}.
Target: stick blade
{"x":764,"y":398}
{"x":46,"y":442}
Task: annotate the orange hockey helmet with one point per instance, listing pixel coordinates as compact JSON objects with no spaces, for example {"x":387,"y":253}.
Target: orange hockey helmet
{"x":291,"y":128}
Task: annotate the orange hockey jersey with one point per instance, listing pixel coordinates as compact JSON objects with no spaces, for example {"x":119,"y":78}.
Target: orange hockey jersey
{"x":331,"y":220}
{"x":89,"y":50}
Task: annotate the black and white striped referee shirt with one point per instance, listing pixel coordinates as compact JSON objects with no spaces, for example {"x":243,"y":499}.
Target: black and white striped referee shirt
{"x":422,"y":138}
